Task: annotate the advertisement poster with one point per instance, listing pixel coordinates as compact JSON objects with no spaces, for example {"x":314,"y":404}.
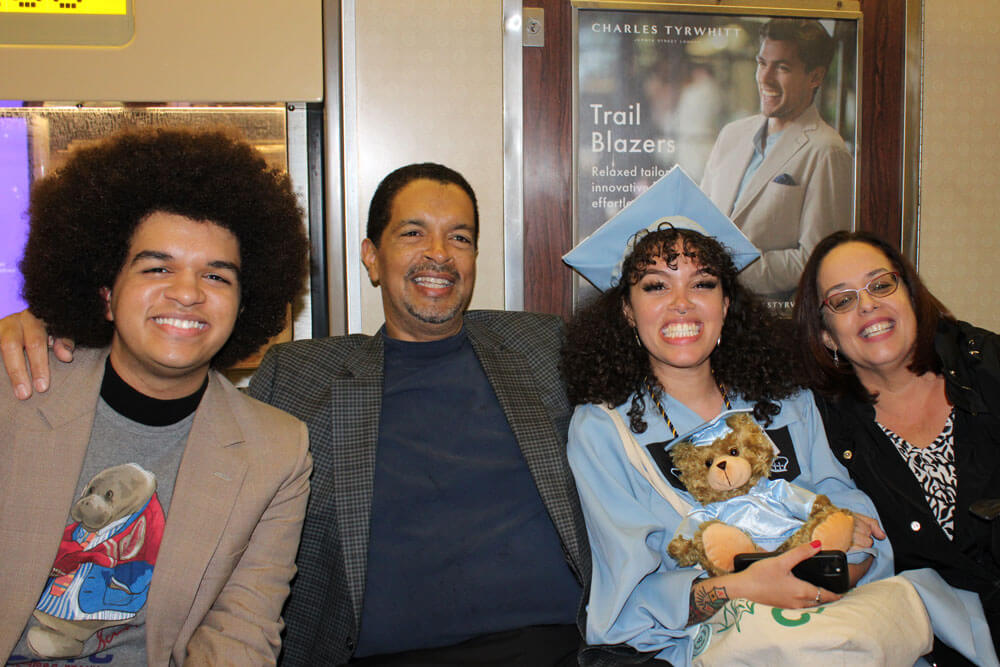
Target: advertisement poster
{"x":700,"y":90}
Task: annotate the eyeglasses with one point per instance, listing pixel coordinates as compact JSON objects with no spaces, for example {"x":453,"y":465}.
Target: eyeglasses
{"x":879,"y":287}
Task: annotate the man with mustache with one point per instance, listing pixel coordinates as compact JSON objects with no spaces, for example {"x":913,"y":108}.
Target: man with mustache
{"x":784,"y":176}
{"x":443,"y":525}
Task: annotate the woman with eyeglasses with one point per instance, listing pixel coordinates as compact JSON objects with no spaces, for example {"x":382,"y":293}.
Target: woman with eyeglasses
{"x":910,"y":398}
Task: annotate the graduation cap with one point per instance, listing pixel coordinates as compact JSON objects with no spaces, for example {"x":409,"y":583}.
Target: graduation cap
{"x":674,"y":199}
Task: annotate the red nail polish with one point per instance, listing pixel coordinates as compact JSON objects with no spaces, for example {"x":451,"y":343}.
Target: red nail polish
{"x":815,"y":544}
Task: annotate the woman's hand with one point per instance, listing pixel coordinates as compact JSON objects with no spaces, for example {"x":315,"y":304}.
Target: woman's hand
{"x":866,"y":530}
{"x":768,"y":581}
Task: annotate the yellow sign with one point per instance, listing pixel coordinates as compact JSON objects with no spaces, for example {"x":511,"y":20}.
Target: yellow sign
{"x":104,"y":7}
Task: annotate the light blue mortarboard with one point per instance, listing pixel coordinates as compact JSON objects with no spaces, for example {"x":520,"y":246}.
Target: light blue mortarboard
{"x":674,"y":199}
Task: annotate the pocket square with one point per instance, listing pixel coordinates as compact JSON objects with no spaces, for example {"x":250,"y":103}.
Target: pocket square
{"x":785,"y":179}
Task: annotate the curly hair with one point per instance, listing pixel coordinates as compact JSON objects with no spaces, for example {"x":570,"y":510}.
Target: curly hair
{"x":84,"y":215}
{"x":838,"y":379}
{"x":380,"y":209}
{"x":602,"y":362}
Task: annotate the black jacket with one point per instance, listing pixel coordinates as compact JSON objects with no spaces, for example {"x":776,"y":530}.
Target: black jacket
{"x":970,"y":359}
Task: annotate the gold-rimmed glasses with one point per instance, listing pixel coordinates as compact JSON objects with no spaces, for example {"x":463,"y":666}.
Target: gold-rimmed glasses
{"x":879,"y":287}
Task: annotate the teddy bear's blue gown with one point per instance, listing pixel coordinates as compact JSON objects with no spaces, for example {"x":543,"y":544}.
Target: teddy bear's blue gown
{"x":770,"y":512}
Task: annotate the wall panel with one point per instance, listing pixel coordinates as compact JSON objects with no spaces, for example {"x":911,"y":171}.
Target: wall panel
{"x":959,"y":182}
{"x":184,"y":51}
{"x":429,"y":87}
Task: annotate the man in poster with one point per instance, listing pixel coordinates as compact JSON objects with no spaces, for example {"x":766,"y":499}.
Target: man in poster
{"x":784,"y":176}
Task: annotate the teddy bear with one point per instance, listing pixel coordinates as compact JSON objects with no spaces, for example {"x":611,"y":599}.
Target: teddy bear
{"x":742,"y":510}
{"x":104,"y":564}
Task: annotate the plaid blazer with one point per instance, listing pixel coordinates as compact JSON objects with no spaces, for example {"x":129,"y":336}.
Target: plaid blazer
{"x":335,"y":386}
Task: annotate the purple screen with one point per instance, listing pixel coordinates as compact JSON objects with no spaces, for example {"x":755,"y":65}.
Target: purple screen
{"x":14,"y":183}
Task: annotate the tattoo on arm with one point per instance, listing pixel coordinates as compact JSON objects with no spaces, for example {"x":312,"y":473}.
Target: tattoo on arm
{"x":705,"y":601}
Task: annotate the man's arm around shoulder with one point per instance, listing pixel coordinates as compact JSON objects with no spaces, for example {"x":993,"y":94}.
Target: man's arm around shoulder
{"x":24,"y":345}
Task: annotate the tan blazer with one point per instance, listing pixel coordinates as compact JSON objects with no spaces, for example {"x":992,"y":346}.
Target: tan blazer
{"x":803,"y":191}
{"x":232,"y":531}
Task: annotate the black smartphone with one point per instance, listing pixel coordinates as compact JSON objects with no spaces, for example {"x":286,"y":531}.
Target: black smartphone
{"x":827,"y":569}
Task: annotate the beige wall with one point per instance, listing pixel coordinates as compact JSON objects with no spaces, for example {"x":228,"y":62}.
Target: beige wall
{"x":429,"y":78}
{"x":183,"y":51}
{"x":960,"y":183}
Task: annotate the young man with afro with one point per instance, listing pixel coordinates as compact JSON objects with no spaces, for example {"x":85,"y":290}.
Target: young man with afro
{"x":151,"y":511}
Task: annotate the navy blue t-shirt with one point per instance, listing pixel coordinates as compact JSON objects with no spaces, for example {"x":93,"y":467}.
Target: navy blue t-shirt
{"x":460,"y":544}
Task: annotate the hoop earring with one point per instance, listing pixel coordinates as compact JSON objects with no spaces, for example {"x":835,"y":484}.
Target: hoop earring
{"x":836,"y":357}
{"x":635,"y":332}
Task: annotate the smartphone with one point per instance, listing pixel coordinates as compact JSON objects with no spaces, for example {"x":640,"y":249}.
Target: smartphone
{"x":827,"y":569}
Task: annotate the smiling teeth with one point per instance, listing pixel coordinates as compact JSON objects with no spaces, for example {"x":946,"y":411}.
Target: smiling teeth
{"x":178,"y":323}
{"x":681,"y":330}
{"x":433,"y":282}
{"x":876,"y":329}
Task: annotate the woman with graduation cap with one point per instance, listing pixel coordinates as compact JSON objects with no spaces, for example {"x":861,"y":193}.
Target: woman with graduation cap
{"x":672,"y":341}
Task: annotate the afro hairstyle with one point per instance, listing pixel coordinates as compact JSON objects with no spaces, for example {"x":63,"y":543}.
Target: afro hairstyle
{"x":83,"y":217}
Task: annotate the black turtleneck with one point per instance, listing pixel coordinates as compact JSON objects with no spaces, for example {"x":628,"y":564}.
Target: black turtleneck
{"x":133,"y":404}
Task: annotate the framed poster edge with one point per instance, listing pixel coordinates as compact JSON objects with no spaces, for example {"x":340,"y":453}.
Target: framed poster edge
{"x":831,"y":9}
